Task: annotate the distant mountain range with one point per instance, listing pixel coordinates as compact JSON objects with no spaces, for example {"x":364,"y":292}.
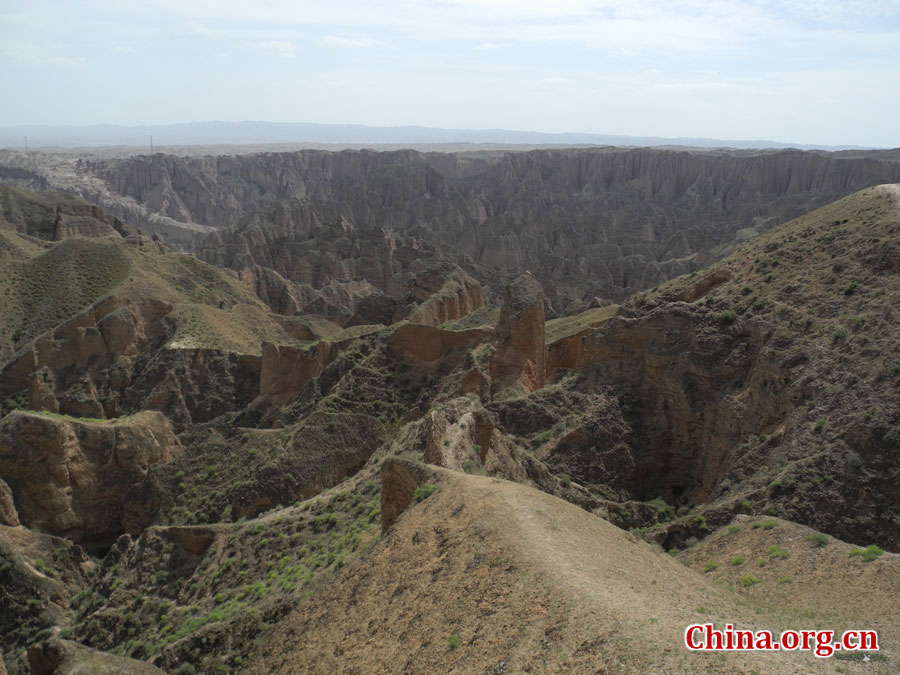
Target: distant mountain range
{"x":215,"y":133}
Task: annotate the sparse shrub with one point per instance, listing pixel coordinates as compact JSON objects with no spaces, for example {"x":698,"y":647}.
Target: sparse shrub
{"x":769,"y":525}
{"x":749,"y":580}
{"x":840,"y":334}
{"x":819,"y":426}
{"x":784,"y":580}
{"x":664,"y":512}
{"x":327,"y":521}
{"x":819,"y":540}
{"x":710,"y":566}
{"x":424,"y":491}
{"x":778,"y":553}
{"x":851,"y":288}
{"x":737,"y":560}
{"x":453,"y":641}
{"x":733,"y":529}
{"x":44,"y":568}
{"x":853,"y":460}
{"x":728,"y":316}
{"x":868,"y":554}
{"x":471,"y":466}
{"x":701,"y":522}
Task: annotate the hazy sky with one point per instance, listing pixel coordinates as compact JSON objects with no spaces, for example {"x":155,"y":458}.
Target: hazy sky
{"x":803,"y":71}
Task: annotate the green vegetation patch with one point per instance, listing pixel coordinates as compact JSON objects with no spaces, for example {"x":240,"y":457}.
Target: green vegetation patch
{"x":68,"y":278}
{"x":868,"y":554}
{"x":424,"y":491}
{"x":557,"y":329}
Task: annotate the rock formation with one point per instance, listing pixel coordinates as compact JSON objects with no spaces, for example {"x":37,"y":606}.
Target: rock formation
{"x":55,"y":215}
{"x":8,"y":514}
{"x":285,"y":369}
{"x":69,"y":477}
{"x":520,"y":356}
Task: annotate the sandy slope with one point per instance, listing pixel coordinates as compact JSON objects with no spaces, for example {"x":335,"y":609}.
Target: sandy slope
{"x":529,"y":583}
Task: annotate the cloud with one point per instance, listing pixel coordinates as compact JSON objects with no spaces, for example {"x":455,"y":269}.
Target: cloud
{"x":492,"y":46}
{"x":41,"y":55}
{"x":623,"y":53}
{"x":123,"y":50}
{"x":198,"y":30}
{"x":279,"y":48}
{"x":347,"y":43}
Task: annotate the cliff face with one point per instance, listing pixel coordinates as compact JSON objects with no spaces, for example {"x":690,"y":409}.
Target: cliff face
{"x":592,"y":222}
{"x":520,"y":357}
{"x":699,"y":390}
{"x":70,"y":477}
{"x":55,"y":215}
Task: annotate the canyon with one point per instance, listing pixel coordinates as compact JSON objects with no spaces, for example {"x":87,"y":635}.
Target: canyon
{"x":258,"y":401}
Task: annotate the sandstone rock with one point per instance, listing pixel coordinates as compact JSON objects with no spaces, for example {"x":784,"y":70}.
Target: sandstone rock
{"x":70,"y":477}
{"x":445,"y":293}
{"x":520,"y":357}
{"x":8,"y":514}
{"x":271,"y":288}
{"x":427,"y":345}
{"x":55,"y":215}
{"x":701,"y":388}
{"x":91,"y":341}
{"x":399,"y":480}
{"x":284,"y":369}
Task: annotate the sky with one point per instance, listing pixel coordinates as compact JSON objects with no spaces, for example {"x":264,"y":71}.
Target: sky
{"x":800,"y":71}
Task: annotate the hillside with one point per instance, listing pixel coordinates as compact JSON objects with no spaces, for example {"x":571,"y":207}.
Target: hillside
{"x":816,"y":301}
{"x":489,"y":576}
